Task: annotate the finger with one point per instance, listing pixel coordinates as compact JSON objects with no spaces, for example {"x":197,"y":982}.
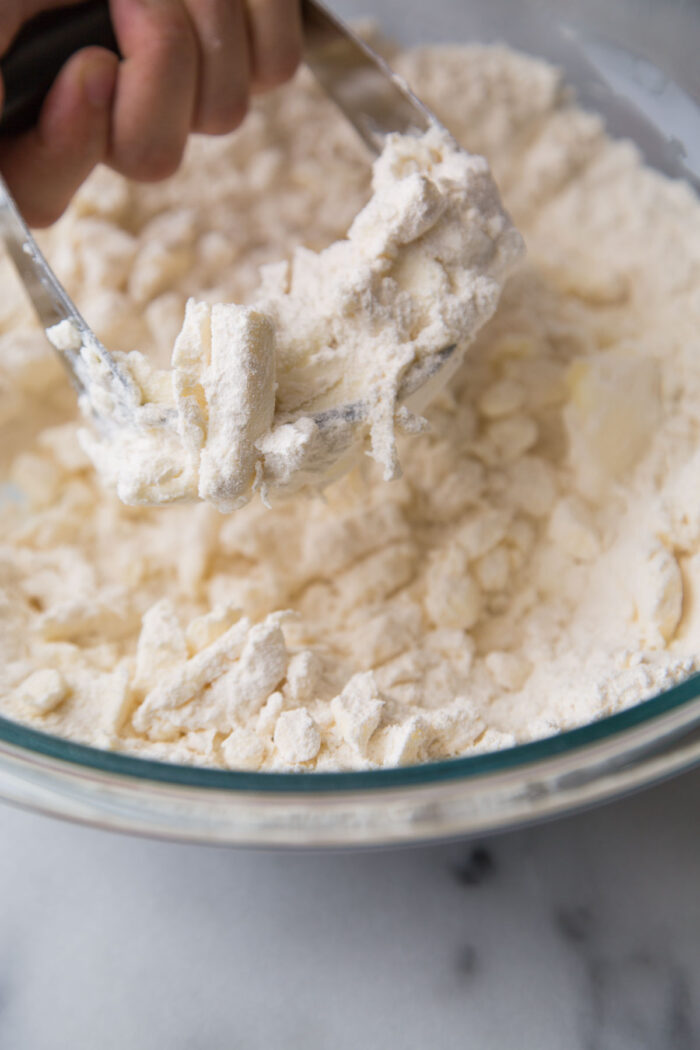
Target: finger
{"x":224,"y":71}
{"x":274,"y":27}
{"x":45,"y":166}
{"x":155,"y":97}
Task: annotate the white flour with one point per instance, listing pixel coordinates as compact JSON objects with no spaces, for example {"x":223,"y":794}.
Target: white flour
{"x":537,"y":565}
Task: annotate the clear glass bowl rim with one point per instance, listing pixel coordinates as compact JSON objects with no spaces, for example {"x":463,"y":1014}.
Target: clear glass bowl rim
{"x":610,"y":727}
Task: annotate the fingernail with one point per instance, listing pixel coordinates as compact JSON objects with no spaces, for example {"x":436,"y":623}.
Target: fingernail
{"x":99,"y":83}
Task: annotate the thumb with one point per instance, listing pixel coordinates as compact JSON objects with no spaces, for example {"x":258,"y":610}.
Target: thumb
{"x":45,"y":166}
{"x":14,"y":15}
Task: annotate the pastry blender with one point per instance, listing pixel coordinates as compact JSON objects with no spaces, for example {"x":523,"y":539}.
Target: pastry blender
{"x":372,"y":97}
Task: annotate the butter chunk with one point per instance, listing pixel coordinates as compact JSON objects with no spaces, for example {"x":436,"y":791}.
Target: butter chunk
{"x":43,"y":691}
{"x":612,"y":414}
{"x":161,"y":644}
{"x":243,"y":749}
{"x":572,"y":528}
{"x":509,"y":670}
{"x":405,"y":743}
{"x":304,"y":674}
{"x":239,"y":386}
{"x":659,"y":595}
{"x":297,"y":738}
{"x":357,"y":711}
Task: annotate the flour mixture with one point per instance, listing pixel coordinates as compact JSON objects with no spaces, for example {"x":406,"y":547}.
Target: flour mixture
{"x":283,"y":397}
{"x":537,"y":565}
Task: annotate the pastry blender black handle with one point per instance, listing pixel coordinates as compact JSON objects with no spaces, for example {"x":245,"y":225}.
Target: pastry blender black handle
{"x":38,"y":52}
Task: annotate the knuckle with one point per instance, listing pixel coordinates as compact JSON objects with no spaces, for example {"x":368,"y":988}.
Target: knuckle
{"x":278,"y":72}
{"x":221,"y":117}
{"x":175,"y":29}
{"x":148,"y":163}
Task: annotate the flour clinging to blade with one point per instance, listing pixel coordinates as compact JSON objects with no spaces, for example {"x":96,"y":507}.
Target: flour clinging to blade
{"x":255,"y":390}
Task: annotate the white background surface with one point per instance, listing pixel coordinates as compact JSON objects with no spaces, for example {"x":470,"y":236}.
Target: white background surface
{"x":583,"y":934}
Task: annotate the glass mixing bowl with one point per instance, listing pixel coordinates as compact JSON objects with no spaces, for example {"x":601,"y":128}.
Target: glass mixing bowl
{"x":635,"y":62}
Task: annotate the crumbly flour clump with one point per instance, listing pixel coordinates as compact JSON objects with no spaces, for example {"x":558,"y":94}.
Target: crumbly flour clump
{"x":284,"y":396}
{"x":537,"y":565}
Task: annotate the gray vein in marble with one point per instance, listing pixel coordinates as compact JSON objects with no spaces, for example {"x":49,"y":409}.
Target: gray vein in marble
{"x":467,"y":961}
{"x":638,"y":993}
{"x":477,"y":867}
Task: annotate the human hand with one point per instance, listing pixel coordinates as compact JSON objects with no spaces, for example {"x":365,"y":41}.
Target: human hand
{"x":188,"y":65}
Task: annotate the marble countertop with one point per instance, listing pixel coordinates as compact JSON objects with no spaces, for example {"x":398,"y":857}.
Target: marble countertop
{"x":583,"y":934}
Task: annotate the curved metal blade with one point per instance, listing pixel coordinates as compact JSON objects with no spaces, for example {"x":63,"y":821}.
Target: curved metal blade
{"x":375,"y":100}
